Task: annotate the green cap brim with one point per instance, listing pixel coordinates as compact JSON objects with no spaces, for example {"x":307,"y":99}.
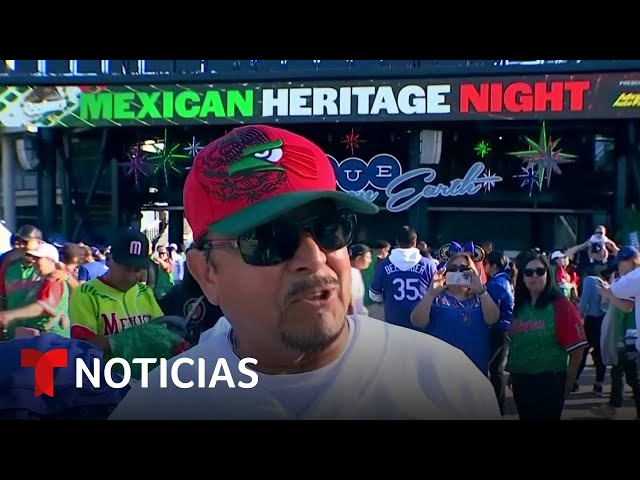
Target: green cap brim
{"x":267,"y":210}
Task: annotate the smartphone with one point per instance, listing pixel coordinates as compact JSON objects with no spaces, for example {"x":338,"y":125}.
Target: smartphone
{"x":458,"y":278}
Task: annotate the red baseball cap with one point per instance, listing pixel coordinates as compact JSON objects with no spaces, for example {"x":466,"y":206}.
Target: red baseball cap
{"x":254,"y":174}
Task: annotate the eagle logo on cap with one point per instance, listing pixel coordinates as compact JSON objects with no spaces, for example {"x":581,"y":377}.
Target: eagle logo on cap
{"x":251,"y":162}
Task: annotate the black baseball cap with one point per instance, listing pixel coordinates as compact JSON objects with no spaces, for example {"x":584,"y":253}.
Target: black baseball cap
{"x":130,"y":247}
{"x":29,"y":232}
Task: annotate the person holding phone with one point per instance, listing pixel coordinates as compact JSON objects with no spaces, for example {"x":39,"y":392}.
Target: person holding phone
{"x":459,"y":310}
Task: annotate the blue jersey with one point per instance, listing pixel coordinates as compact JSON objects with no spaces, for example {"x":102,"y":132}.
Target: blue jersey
{"x":401,"y":290}
{"x":460,"y":323}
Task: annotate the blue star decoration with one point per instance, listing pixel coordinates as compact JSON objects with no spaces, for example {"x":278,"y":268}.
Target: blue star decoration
{"x":529,"y":177}
{"x":166,"y":157}
{"x":194,"y":148}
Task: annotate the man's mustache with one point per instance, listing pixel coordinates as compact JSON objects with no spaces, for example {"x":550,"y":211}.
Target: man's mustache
{"x":309,"y":283}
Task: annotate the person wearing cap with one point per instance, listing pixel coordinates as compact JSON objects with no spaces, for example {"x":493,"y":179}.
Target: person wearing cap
{"x":598,"y":261}
{"x":560,"y":262}
{"x":115,"y":301}
{"x":271,"y":236}
{"x":360,"y":255}
{"x":19,"y":280}
{"x":49,"y":310}
{"x":57,"y":240}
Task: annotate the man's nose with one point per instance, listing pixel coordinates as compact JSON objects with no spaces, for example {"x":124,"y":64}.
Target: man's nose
{"x":309,"y":255}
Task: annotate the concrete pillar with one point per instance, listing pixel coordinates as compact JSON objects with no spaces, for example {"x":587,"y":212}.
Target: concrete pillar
{"x":8,"y":182}
{"x":176,"y":226}
{"x":47,"y":198}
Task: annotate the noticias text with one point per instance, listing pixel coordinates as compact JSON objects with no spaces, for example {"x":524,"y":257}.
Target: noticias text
{"x":117,"y":373}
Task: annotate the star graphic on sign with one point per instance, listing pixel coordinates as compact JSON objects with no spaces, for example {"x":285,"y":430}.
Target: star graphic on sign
{"x":166,"y":157}
{"x":544,"y":156}
{"x":482,"y":149}
{"x":194,"y":148}
{"x":352,"y":141}
{"x":529,"y":176}
{"x":489,"y":180}
{"x":137,"y":165}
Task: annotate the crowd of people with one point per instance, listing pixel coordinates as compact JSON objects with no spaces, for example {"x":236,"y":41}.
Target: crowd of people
{"x":386,"y":329}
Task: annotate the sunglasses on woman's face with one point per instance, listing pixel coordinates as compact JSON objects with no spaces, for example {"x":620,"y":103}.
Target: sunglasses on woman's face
{"x":278,"y":241}
{"x":530,"y":272}
{"x":458,"y":268}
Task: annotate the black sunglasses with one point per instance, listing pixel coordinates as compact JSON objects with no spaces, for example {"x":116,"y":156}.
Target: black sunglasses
{"x":278,"y":241}
{"x":458,"y":268}
{"x":529,"y":272}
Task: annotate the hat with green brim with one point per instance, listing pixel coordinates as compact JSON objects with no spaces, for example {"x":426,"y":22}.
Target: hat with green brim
{"x":255,"y":174}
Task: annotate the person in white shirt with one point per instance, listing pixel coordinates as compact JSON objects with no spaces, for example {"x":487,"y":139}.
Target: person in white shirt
{"x":271,"y":249}
{"x":178,"y":263}
{"x":360,"y":255}
{"x":627,"y":287}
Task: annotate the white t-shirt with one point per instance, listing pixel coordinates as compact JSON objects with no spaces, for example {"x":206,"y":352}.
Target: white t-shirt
{"x":357,"y":291}
{"x":221,"y":326}
{"x":628,"y":287}
{"x":386,"y":372}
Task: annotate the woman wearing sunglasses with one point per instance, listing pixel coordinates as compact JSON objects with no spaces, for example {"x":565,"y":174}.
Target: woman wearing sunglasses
{"x":547,"y":340}
{"x":458,"y":310}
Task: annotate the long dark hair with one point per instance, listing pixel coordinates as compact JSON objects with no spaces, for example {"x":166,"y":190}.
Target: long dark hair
{"x":498,"y":259}
{"x":502,"y":262}
{"x":513,"y":273}
{"x":522,"y":294}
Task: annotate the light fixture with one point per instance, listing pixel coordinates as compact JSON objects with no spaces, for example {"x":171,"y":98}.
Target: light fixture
{"x":152,"y":146}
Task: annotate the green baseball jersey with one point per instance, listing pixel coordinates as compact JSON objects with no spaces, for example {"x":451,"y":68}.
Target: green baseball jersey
{"x":53,"y":296}
{"x":164,"y":282}
{"x":623,"y":321}
{"x":99,"y":309}
{"x":542,"y":338}
{"x":20,"y":284}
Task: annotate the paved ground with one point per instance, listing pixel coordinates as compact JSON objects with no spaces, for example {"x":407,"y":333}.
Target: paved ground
{"x":579,"y":404}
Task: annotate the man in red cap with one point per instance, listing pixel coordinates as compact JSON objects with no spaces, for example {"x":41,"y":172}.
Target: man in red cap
{"x":271,"y":235}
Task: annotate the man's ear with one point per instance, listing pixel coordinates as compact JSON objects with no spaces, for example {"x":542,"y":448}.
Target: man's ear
{"x":204,"y":274}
